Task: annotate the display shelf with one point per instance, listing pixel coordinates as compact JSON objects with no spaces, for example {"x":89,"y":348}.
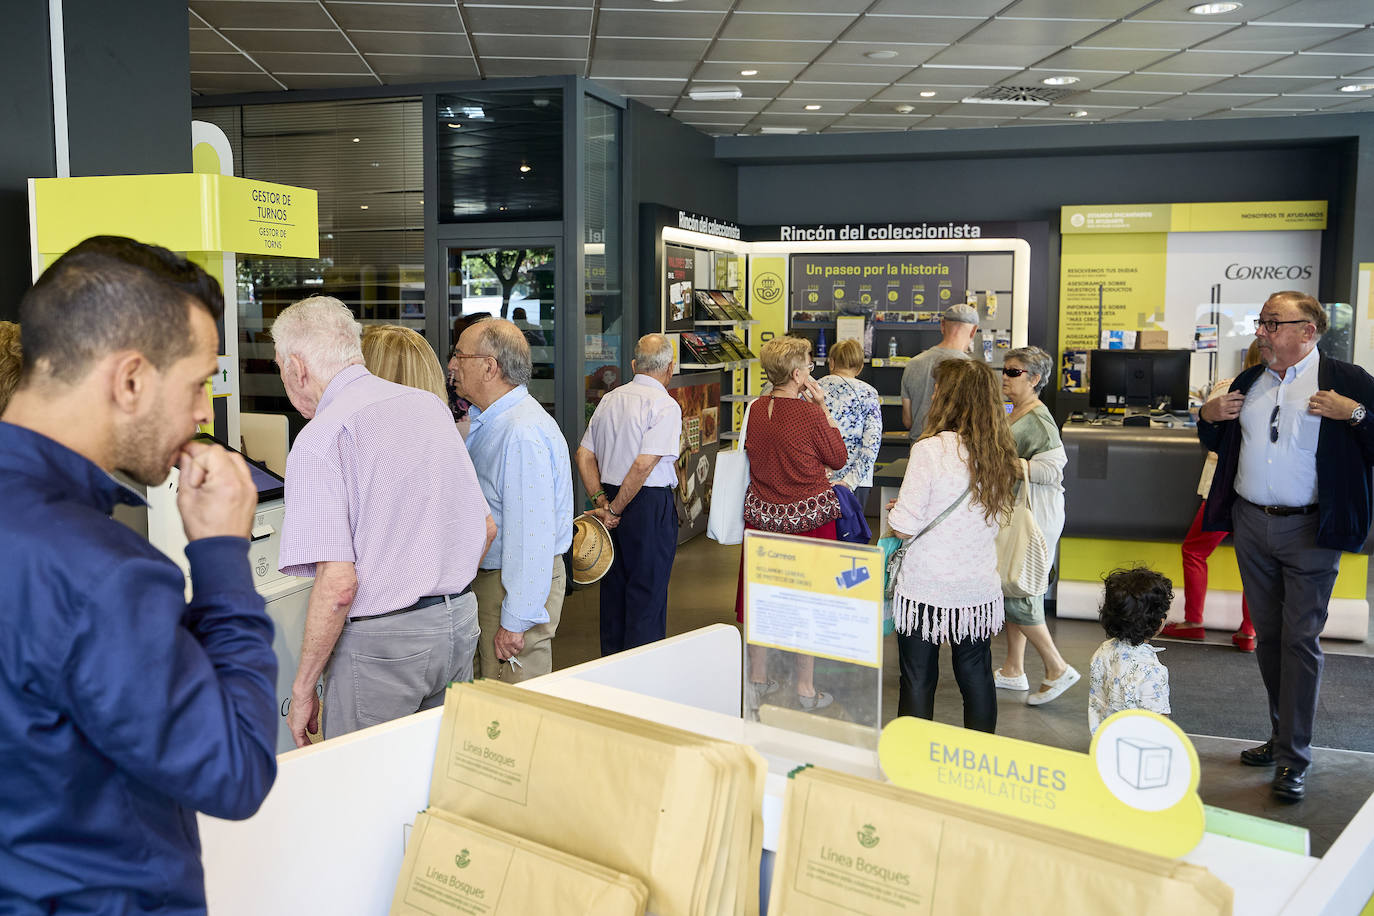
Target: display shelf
{"x":714,"y":323}
{"x":885,"y":362}
{"x":737,"y":398}
{"x":717,"y":367}
{"x":877,"y":325}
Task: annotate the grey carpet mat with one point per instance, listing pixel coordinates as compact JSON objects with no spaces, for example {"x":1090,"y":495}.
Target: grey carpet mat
{"x":1216,"y":690}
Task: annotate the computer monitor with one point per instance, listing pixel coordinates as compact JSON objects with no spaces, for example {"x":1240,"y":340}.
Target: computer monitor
{"x":1139,"y":378}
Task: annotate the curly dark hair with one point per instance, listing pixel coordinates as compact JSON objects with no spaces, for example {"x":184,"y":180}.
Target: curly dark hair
{"x":1135,"y":603}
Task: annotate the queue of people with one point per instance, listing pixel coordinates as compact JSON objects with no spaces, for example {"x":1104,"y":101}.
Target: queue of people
{"x":437,"y":552}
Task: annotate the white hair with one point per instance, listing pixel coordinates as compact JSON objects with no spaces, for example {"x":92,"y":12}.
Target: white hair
{"x":653,"y":353}
{"x":322,"y":332}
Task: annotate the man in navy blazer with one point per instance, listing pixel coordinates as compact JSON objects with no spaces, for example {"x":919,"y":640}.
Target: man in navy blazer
{"x":1295,"y":445}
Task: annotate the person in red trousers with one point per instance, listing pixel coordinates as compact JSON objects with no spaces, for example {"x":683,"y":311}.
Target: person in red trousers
{"x":1198,"y":546}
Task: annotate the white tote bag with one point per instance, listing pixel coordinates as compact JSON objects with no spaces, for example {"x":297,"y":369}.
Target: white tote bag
{"x":725,"y":524}
{"x":1023,"y":556}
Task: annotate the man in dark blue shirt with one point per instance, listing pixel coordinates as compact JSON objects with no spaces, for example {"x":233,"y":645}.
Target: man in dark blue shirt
{"x":123,"y":709}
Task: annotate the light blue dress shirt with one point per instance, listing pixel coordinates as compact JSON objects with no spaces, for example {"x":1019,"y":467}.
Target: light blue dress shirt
{"x":522,"y":464}
{"x":1282,"y":473}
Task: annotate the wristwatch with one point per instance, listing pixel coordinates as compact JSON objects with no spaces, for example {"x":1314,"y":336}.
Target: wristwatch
{"x":1357,"y":415}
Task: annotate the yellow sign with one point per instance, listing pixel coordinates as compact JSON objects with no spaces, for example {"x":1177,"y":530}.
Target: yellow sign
{"x":194,"y":212}
{"x":1264,"y":215}
{"x":822,"y":598}
{"x":1128,"y":269}
{"x":1136,"y":786}
{"x":768,"y":305}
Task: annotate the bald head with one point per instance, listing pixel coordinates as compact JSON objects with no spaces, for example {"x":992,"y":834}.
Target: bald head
{"x":653,"y":354}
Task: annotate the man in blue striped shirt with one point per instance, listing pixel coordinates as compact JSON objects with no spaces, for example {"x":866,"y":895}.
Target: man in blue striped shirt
{"x":522,"y":464}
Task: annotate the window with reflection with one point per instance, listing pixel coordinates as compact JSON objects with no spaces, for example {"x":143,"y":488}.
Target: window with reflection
{"x":605,"y":348}
{"x":500,"y":155}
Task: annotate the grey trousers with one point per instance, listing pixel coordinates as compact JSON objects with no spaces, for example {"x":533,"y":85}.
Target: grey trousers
{"x":390,"y":667}
{"x":1288,"y":581}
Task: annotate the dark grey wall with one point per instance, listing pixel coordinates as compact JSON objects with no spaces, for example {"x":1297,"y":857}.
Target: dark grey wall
{"x":128,"y":86}
{"x":26,"y":149}
{"x":128,"y":105}
{"x":1029,"y":173}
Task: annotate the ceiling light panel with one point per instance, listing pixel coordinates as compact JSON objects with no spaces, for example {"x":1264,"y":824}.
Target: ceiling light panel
{"x":769,"y":25}
{"x":881,"y":30}
{"x":974,"y":55}
{"x":1072,"y":9}
{"x":1057,"y":32}
{"x":657,"y":23}
{"x":513,"y":20}
{"x":1281,"y":38}
{"x":854,"y":52}
{"x":1162,"y":82}
{"x":1164,"y":36}
{"x":440,"y":43}
{"x":402,"y":18}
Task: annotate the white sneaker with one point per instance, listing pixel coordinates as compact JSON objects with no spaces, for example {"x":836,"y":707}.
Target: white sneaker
{"x":1010,"y":683}
{"x":1052,"y":689}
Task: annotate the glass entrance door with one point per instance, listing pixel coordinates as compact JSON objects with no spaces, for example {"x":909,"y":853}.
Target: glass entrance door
{"x":518,"y":283}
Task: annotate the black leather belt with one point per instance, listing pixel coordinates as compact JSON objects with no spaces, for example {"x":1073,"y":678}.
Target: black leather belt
{"x":427,"y":601}
{"x":1284,"y":511}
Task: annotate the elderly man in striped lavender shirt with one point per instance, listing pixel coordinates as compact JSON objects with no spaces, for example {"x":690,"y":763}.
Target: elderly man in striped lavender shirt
{"x":384,"y":509}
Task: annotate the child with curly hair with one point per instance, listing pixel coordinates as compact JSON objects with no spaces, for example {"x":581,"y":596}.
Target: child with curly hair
{"x":1124,"y":673}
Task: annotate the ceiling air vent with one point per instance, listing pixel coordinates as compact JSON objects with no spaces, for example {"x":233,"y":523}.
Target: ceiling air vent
{"x":1017,"y":95}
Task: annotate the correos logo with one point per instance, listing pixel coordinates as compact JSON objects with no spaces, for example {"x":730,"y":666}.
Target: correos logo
{"x":868,"y":836}
{"x":1269,"y":272}
{"x":494,"y":730}
{"x":463,"y":859}
{"x":1077,"y":220}
{"x":768,"y":288}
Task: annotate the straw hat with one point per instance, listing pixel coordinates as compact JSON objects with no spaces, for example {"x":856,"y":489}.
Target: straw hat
{"x":592,"y":552}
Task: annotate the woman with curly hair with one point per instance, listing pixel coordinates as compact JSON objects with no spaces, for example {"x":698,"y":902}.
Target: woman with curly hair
{"x":1124,"y":673}
{"x":957,"y":491}
{"x":11,"y":361}
{"x":793,"y":445}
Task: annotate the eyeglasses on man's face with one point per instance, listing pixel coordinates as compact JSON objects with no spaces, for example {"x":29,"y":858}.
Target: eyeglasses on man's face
{"x":1271,"y":325}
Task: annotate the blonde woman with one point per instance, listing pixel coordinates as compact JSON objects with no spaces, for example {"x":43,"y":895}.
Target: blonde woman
{"x":854,"y":405}
{"x":948,"y":589}
{"x":402,"y":356}
{"x":793,"y":445}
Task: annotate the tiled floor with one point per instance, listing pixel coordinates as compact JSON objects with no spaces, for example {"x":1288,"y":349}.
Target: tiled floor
{"x":702,"y":592}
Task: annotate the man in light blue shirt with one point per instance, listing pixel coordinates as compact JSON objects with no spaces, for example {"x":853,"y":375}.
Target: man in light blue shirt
{"x":522,"y":464}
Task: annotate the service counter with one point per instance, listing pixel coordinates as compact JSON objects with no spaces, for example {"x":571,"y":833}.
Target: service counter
{"x":1130,"y":495}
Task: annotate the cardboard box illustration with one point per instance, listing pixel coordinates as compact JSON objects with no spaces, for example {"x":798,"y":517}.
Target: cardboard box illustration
{"x":1142,"y":764}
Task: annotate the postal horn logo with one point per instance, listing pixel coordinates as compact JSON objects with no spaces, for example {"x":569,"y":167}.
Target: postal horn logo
{"x":463,"y":859}
{"x":494,"y":730}
{"x":868,"y":836}
{"x":768,"y":288}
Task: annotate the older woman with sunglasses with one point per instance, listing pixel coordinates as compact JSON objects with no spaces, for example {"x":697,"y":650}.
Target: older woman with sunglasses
{"x":1024,"y":374}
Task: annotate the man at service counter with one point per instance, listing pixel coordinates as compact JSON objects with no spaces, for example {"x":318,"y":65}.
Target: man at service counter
{"x":1294,"y":443}
{"x":123,"y":709}
{"x":957,"y":324}
{"x":627,"y":462}
{"x":383,"y":508}
{"x":522,"y":462}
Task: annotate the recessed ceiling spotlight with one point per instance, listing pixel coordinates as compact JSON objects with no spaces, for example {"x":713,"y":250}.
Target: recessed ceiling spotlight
{"x":362,"y":207}
{"x":524,"y":168}
{"x":1080,"y":113}
{"x":1358,"y":87}
{"x":880,"y":55}
{"x":812,"y":107}
{"x":357,"y":139}
{"x":1213,"y":9}
{"x":749,"y":73}
{"x":927,"y":93}
{"x":454,"y":124}
{"x":1059,"y":80}
{"x":714,"y":93}
{"x":904,"y":109}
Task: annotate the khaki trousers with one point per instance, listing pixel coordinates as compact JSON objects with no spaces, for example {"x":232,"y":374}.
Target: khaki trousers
{"x":537,"y":656}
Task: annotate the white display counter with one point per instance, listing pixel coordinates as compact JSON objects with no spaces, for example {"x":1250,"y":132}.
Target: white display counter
{"x":331,"y":835}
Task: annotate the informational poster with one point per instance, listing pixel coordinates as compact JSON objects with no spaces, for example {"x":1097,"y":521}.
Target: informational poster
{"x":696,"y":461}
{"x":679,"y":275}
{"x":898,"y":287}
{"x":1177,"y":267}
